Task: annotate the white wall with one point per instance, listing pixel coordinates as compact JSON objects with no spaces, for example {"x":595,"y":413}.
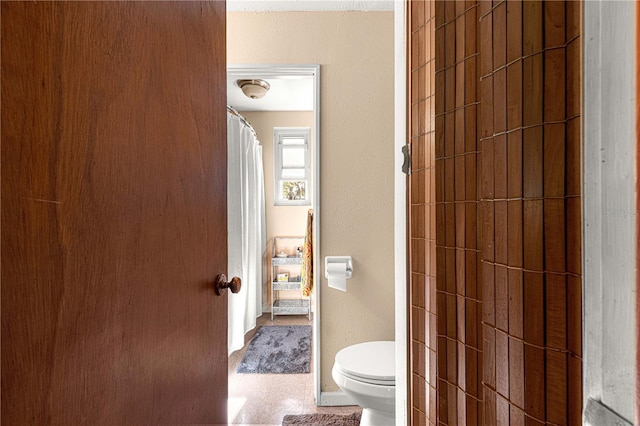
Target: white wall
{"x":610,"y":206}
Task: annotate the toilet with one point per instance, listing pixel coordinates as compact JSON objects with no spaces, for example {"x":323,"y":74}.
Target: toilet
{"x":366,"y":373}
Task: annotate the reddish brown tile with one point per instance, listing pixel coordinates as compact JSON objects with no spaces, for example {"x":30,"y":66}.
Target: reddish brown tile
{"x":502,"y":364}
{"x":502,"y":297}
{"x":533,"y":235}
{"x":554,"y":84}
{"x":574,"y":388}
{"x":460,"y":271}
{"x":471,"y":411}
{"x":554,"y":160}
{"x":450,"y":273}
{"x":556,"y":311}
{"x":449,"y":134}
{"x":460,"y":329}
{"x":486,"y":106}
{"x":500,"y":35}
{"x":439,"y":39}
{"x":573,"y":19}
{"x":573,"y":84}
{"x":556,"y":386}
{"x":516,"y":372}
{"x":532,"y":166}
{"x":460,"y":231}
{"x":514,"y":30}
{"x":470,"y":131}
{"x":471,"y":176}
{"x":471,"y":372}
{"x":516,"y":307}
{"x":500,"y":232}
{"x":534,"y":381}
{"x":500,"y":166}
{"x":532,"y":31}
{"x":490,"y":415}
{"x":502,"y":411}
{"x":514,"y":94}
{"x":487,"y":159}
{"x":471,"y":28}
{"x":489,"y":356}
{"x":449,"y":183}
{"x":460,"y":131}
{"x":532,"y":90}
{"x":417,"y":325}
{"x":460,"y":38}
{"x":514,"y":233}
{"x":470,"y":80}
{"x":418,"y":255}
{"x":574,"y":315}
{"x":533,"y":300}
{"x":486,"y":45}
{"x":471,"y":324}
{"x":471,"y":289}
{"x":514,"y":164}
{"x":487,"y":230}
{"x":574,"y":154}
{"x":516,"y":416}
{"x":439,"y":142}
{"x":452,"y":361}
{"x":440,"y":224}
{"x":488,"y":294}
{"x":554,"y":235}
{"x":470,"y":225}
{"x":554,"y":23}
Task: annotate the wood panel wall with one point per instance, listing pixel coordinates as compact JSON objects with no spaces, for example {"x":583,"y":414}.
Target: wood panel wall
{"x":508,"y":212}
{"x":422,"y":212}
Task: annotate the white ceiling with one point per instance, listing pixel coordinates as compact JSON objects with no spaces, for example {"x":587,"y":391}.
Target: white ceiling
{"x":288,"y":93}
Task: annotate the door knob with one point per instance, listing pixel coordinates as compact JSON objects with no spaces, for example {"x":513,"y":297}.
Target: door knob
{"x":222,"y":284}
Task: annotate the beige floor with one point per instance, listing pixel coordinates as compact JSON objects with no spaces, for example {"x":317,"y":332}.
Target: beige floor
{"x":264,"y":399}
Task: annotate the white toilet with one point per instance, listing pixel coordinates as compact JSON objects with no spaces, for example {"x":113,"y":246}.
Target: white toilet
{"x":366,"y":373}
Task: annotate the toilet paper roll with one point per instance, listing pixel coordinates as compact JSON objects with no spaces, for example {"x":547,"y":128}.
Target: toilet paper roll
{"x":337,"y":275}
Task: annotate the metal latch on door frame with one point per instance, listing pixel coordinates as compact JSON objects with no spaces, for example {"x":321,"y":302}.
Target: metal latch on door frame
{"x":406,"y":165}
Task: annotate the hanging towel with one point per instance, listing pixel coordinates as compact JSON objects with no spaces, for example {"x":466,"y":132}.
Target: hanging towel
{"x":307,"y":257}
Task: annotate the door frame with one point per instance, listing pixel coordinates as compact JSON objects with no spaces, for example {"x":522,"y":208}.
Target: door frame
{"x":400,"y":213}
{"x":302,"y":70}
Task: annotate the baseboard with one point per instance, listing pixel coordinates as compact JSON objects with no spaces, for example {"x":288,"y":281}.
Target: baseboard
{"x":335,"y":399}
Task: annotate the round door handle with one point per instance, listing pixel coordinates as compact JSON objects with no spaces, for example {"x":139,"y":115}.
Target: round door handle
{"x":222,"y":284}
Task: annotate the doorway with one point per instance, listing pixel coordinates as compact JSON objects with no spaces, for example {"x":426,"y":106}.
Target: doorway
{"x":292,"y":104}
{"x":357,"y":156}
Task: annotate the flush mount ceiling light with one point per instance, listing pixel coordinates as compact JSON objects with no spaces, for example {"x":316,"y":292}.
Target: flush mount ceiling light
{"x":254,"y":89}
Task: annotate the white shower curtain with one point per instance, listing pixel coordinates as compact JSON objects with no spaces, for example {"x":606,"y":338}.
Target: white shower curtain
{"x":247,"y":240}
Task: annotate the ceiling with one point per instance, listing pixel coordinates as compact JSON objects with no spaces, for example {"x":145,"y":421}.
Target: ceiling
{"x":288,"y":93}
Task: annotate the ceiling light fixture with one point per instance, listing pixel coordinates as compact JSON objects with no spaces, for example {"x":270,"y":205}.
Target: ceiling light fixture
{"x":254,"y":89}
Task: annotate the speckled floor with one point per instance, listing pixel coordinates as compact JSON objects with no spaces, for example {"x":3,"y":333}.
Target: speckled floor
{"x":264,"y":399}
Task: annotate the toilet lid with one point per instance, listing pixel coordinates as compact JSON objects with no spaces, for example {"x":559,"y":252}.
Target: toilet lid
{"x":372,"y":362}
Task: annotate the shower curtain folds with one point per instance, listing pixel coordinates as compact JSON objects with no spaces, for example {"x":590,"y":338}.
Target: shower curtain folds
{"x":247,"y":243}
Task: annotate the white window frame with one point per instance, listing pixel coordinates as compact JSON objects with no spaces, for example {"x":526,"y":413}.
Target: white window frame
{"x":280,"y":133}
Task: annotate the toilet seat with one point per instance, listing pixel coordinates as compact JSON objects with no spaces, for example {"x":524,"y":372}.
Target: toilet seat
{"x":369,"y":362}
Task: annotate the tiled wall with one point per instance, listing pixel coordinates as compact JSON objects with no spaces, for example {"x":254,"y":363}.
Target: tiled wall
{"x":508,"y":224}
{"x":423,"y":212}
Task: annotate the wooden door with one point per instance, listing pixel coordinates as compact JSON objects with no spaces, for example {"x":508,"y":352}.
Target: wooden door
{"x":113,"y":212}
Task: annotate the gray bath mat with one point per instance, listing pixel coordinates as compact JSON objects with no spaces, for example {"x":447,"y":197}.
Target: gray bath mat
{"x":278,"y":349}
{"x":321,"y":420}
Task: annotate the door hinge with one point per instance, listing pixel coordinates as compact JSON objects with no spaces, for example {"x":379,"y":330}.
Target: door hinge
{"x":406,"y":166}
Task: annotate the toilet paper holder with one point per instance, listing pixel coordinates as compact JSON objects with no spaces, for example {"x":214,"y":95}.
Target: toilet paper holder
{"x":347,"y":260}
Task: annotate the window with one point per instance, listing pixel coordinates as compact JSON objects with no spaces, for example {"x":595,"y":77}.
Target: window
{"x":291,"y":166}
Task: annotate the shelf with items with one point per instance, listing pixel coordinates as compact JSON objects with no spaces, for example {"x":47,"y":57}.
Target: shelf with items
{"x":285,"y":263}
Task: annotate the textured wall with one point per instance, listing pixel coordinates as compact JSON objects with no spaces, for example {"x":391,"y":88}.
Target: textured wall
{"x":355,"y":52}
{"x":508,"y":221}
